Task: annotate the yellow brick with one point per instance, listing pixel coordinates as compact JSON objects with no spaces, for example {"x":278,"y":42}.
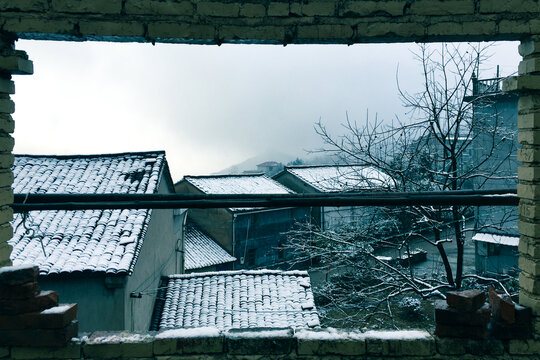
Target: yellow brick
{"x":467,"y":28}
{"x":529,"y":228}
{"x":7,"y":125}
{"x":529,"y":121}
{"x":318,"y":8}
{"x":447,"y":7}
{"x":6,"y":215}
{"x":175,"y":30}
{"x":529,"y":246}
{"x":529,"y":210}
{"x":146,"y":7}
{"x":515,"y":26}
{"x":512,"y":6}
{"x":6,"y":160}
{"x":529,"y":265}
{"x":218,"y":9}
{"x":529,"y":137}
{"x":92,"y":7}
{"x":234,"y":33}
{"x":528,"y":103}
{"x":341,"y":33}
{"x":39,"y":25}
{"x":529,"y":66}
{"x":529,"y":173}
{"x":253,"y":10}
{"x":410,"y":30}
{"x":528,"y":283}
{"x":23,"y":5}
{"x":524,"y":347}
{"x":530,"y":47}
{"x":5,"y":253}
{"x":528,"y":155}
{"x":530,"y":300}
{"x":112,"y":28}
{"x":7,"y":106}
{"x":528,"y":191}
{"x":16,"y":65}
{"x":372,"y":8}
{"x":6,"y":143}
{"x":7,"y":86}
{"x":6,"y":232}
{"x":6,"y":178}
{"x":278,"y":9}
{"x":71,"y":351}
{"x":521,"y":83}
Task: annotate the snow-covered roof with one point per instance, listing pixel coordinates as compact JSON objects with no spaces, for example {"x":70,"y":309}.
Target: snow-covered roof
{"x":339,"y":178}
{"x":237,"y":185}
{"x":236,"y":299}
{"x":202,"y":251}
{"x":84,"y":240}
{"x":497,"y":239}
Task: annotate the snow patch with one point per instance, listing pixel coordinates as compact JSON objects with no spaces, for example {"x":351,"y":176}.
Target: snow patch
{"x":259,"y":333}
{"x":397,"y":335}
{"x":189,"y":333}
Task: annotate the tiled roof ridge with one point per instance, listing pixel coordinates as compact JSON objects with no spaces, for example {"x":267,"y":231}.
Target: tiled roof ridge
{"x":323,"y":165}
{"x":80,"y":156}
{"x":299,"y":273}
{"x":226,"y":175}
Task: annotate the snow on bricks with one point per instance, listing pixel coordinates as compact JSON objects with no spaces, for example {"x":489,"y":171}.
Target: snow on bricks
{"x":29,"y":317}
{"x":509,"y":320}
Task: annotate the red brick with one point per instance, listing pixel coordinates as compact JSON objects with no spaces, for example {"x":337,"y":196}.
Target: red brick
{"x":22,"y":291}
{"x":502,"y":306}
{"x":446,"y":315}
{"x":467,"y":300}
{"x":13,"y":275}
{"x":40,"y":337}
{"x":53,"y":318}
{"x":45,"y":300}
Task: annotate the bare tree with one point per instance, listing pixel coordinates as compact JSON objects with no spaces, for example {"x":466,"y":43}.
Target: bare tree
{"x":443,"y":146}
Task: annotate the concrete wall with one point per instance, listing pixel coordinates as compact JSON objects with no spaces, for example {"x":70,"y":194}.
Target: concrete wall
{"x":158,"y":257}
{"x":99,"y":307}
{"x":272,"y":21}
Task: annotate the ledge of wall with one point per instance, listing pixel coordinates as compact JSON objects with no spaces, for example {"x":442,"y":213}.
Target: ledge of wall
{"x":271,"y":21}
{"x":210,"y":343}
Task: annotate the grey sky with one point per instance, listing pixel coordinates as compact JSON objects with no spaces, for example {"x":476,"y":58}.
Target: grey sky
{"x":209,"y":107}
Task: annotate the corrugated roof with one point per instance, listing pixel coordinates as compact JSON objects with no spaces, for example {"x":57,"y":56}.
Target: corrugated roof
{"x":236,"y":299}
{"x":202,"y":251}
{"x":339,"y":178}
{"x":497,"y":239}
{"x":85,"y":240}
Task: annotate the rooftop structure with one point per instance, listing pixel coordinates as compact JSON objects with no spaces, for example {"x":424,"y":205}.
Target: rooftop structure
{"x":236,"y":299}
{"x":202,"y":251}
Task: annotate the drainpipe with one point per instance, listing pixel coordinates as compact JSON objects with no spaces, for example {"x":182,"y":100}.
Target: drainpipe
{"x":233,"y":237}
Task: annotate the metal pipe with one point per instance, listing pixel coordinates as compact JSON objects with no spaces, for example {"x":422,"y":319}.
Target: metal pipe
{"x":29,"y":202}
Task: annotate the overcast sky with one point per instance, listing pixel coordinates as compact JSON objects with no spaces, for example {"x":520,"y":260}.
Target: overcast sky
{"x":208,"y":107}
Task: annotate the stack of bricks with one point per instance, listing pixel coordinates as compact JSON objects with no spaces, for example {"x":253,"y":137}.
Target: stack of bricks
{"x":29,"y":316}
{"x":464,"y":314}
{"x":508,"y":320}
{"x":12,"y":62}
{"x":527,"y":84}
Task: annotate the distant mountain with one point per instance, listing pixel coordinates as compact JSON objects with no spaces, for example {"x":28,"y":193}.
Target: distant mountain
{"x":250,"y":165}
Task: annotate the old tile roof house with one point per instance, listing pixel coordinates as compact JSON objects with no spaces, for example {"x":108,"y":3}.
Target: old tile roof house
{"x":236,"y":299}
{"x":252,"y":235}
{"x":97,"y":258}
{"x":202,"y":253}
{"x":333,"y":179}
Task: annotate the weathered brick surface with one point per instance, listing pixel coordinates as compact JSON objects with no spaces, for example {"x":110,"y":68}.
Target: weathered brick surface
{"x":393,"y":20}
{"x":18,"y":275}
{"x":467,"y":300}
